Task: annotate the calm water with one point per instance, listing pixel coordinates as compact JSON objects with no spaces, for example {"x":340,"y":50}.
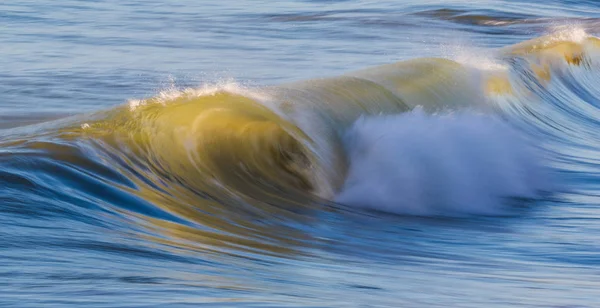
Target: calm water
{"x":240,"y":184}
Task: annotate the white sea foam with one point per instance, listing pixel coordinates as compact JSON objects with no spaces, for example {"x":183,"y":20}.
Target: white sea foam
{"x":568,"y":32}
{"x":172,"y":92}
{"x":477,"y":58}
{"x":456,"y":164}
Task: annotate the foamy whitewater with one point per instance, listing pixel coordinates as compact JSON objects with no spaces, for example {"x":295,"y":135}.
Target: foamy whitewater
{"x":300,"y":153}
{"x":444,"y":164}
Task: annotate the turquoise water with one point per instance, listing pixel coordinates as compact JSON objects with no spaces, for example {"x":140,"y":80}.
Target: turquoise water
{"x":486,"y":201}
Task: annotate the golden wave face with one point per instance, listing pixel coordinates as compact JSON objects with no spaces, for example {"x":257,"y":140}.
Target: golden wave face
{"x":249,"y":150}
{"x":221,"y":139}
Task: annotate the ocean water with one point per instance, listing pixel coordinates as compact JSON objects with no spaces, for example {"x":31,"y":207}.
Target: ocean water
{"x":316,"y":153}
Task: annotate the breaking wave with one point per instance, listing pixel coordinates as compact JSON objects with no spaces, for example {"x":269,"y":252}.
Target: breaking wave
{"x":429,"y":136}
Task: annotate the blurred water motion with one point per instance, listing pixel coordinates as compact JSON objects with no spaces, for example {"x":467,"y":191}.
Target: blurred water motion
{"x":299,"y":153}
